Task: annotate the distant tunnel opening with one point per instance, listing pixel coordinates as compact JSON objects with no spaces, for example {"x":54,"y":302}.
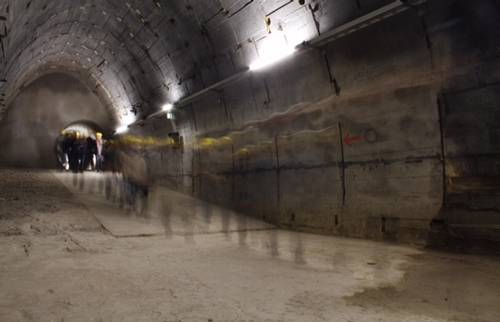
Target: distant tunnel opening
{"x":80,"y":147}
{"x":39,"y":114}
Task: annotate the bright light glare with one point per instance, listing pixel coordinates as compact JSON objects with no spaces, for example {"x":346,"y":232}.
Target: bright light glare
{"x":273,"y":49}
{"x":122,"y":129}
{"x":167,"y":107}
{"x":125,"y":122}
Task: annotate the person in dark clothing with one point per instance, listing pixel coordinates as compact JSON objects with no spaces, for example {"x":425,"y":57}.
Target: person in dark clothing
{"x":80,"y":150}
{"x":110,"y":157}
{"x":62,"y":150}
{"x":89,"y":149}
{"x":72,"y":147}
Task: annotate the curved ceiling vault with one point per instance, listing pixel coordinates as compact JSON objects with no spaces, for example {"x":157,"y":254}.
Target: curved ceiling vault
{"x":142,"y":54}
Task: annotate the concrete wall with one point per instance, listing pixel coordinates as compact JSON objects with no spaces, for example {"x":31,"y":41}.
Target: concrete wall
{"x":370,"y":155}
{"x":39,"y":114}
{"x":389,"y":133}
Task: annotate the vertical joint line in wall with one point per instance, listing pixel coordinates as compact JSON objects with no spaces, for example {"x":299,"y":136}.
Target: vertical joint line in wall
{"x":358,"y":3}
{"x":199,"y":173}
{"x":222,"y":99}
{"x":184,"y":83}
{"x":231,"y":58}
{"x":206,"y":33}
{"x":250,"y":84}
{"x":3,"y":48}
{"x":333,"y":80}
{"x":428,"y":40}
{"x":268,"y":93}
{"x":278,"y":170}
{"x":193,"y":115}
{"x":246,"y":175}
{"x":193,"y":177}
{"x":315,"y":19}
{"x":181,"y":161}
{"x":441,"y":115}
{"x":342,"y":164}
{"x":233,"y":177}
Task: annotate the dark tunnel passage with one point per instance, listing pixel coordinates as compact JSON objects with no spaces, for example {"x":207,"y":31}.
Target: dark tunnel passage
{"x":376,"y":120}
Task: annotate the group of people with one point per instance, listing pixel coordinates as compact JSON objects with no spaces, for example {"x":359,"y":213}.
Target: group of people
{"x":78,"y":153}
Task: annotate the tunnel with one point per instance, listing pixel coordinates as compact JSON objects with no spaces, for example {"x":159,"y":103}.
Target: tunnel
{"x":244,"y":160}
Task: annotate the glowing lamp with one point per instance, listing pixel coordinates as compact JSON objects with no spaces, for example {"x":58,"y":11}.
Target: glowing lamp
{"x":122,"y":129}
{"x":274,"y":48}
{"x":167,"y":107}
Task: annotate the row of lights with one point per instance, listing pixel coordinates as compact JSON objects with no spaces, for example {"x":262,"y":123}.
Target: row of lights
{"x":167,"y":108}
{"x":274,"y":49}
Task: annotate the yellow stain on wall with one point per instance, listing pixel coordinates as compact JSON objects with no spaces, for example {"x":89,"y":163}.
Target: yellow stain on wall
{"x":208,"y":144}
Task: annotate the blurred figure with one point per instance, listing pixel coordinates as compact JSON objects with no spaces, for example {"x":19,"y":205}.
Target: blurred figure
{"x":73,"y":151}
{"x":298,"y":253}
{"x":61,"y":151}
{"x":273,"y":242}
{"x":99,"y":152}
{"x":136,"y":178}
{"x":207,"y":210}
{"x":165,"y":216}
{"x":110,"y":156}
{"x":89,"y":149}
{"x":79,"y":146}
{"x":242,"y":230}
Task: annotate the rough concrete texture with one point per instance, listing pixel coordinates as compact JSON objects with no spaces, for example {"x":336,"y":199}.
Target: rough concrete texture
{"x":371,"y":135}
{"x":58,"y":264}
{"x":388,"y":150}
{"x":38,"y":115}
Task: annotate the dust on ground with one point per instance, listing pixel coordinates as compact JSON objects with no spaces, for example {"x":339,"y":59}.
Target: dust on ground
{"x":57,"y":263}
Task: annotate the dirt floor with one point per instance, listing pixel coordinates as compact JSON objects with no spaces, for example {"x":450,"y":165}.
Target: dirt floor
{"x":70,"y":253}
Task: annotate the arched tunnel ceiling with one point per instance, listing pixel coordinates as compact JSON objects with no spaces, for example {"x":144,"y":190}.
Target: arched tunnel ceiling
{"x":142,"y":54}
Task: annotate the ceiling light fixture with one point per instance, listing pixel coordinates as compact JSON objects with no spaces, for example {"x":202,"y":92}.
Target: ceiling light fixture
{"x":121,"y":129}
{"x":167,"y":107}
{"x":274,"y":48}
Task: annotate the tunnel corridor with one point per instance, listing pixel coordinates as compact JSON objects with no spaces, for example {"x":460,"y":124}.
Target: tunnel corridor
{"x":335,"y":160}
